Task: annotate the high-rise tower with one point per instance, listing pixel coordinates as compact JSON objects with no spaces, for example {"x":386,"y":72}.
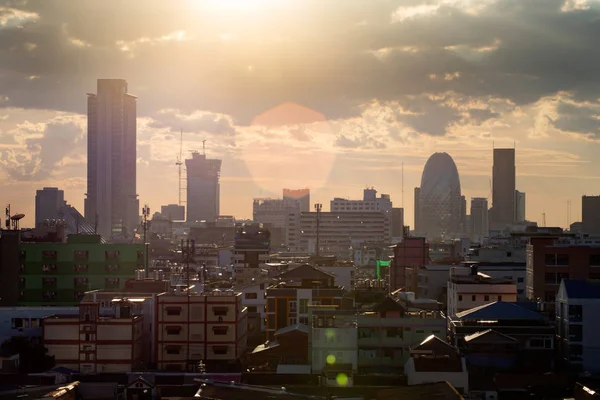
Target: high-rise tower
{"x":111,"y":203}
{"x":503,"y":189}
{"x":202,"y":188}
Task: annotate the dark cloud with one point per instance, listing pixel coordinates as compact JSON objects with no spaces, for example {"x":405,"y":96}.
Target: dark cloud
{"x":480,"y":115}
{"x":580,"y":118}
{"x":516,"y":50}
{"x":45,"y":153}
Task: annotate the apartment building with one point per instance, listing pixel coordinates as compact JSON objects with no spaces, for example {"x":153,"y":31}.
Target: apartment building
{"x":91,"y":343}
{"x":552,"y":259}
{"x":209,"y":327}
{"x":288,"y":302}
{"x":250,"y":252}
{"x":59,"y":274}
{"x":578,"y":323}
{"x":411,"y":252}
{"x":334,"y":338}
{"x":343,"y":273}
{"x":338,"y":231}
{"x":468,"y":288}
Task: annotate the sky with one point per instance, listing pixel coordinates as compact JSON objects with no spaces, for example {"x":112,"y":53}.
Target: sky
{"x":333,"y":95}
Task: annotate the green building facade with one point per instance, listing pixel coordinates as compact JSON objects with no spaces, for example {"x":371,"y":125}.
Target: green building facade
{"x":60,"y":273}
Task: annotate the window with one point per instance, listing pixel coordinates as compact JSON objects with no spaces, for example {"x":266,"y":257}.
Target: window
{"x":111,"y":282}
{"x":293,"y":306}
{"x":80,"y":268}
{"x":575,"y":352}
{"x":252,"y":309}
{"x":18,"y":323}
{"x":48,"y":282}
{"x":575,"y":313}
{"x":173,"y":310}
{"x":292,"y":321}
{"x":173,"y":349}
{"x":49,"y":268}
{"x":540,"y":343}
{"x":556,"y":259}
{"x":81,"y":254}
{"x":49,"y":254}
{"x":520,"y":280}
{"x":78,"y":295}
{"x":81,"y":281}
{"x":303,"y":320}
{"x":395,"y":333}
{"x":220,"y":330}
{"x":22,"y":282}
{"x":303,"y":306}
{"x":220,"y":350}
{"x":220,"y":311}
{"x":499,"y":298}
{"x":595,"y":260}
{"x":460,"y":297}
{"x":173,"y":330}
{"x":251,"y":296}
{"x":575,"y":333}
{"x":111,"y":268}
{"x":486,"y":298}
{"x":473,"y":298}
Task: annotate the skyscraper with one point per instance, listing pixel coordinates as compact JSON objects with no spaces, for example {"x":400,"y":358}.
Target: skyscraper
{"x":479,"y":218}
{"x":440,"y":201}
{"x":111,"y":200}
{"x":503,"y":189}
{"x":520,"y":215}
{"x":203,"y":188}
{"x":48,"y":202}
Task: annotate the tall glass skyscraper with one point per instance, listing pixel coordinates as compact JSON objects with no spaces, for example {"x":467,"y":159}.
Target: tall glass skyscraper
{"x":439,"y":202}
{"x":111,"y":200}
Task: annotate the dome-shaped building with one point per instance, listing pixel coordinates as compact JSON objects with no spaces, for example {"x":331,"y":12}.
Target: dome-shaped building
{"x":440,"y":205}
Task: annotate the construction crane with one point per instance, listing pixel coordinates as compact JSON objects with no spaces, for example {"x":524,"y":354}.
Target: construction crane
{"x":179,"y":163}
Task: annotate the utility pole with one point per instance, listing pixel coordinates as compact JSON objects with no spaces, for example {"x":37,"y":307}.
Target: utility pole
{"x":187,"y":252}
{"x":318,"y":207}
{"x":145,"y":214}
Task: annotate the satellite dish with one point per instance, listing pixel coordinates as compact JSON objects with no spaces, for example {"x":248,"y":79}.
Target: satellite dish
{"x":17,"y":217}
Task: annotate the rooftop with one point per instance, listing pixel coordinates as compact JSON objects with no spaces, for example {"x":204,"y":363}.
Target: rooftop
{"x":581,"y":289}
{"x":499,"y":310}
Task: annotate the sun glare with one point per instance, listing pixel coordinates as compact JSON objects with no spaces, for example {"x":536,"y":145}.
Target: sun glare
{"x":236,"y":5}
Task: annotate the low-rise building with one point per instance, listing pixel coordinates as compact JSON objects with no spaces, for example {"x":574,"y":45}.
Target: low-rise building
{"x":91,"y":343}
{"x":250,"y":252}
{"x":334,"y":339}
{"x":288,"y":302}
{"x":578,"y":323}
{"x":254,"y":299}
{"x":342,"y":272}
{"x":288,"y":350}
{"x":468,"y":288}
{"x":190,"y":327}
{"x":411,"y":252}
{"x":434,"y":360}
{"x":554,"y":258}
{"x":531,"y":329}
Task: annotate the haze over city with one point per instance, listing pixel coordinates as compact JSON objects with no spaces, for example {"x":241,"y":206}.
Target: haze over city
{"x":308,"y":94}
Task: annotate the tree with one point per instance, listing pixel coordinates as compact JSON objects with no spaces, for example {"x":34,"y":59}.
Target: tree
{"x":33,"y":357}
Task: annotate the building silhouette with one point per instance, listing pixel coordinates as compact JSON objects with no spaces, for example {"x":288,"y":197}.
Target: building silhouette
{"x":48,"y":201}
{"x":590,"y":214}
{"x":520,"y":206}
{"x":479,"y":218}
{"x":111,"y":200}
{"x":203,"y":188}
{"x":440,"y":203}
{"x":502,"y":212}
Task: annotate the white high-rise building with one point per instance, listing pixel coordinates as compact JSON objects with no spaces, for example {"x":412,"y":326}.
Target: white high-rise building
{"x":203,"y":188}
{"x":111,"y":200}
{"x":274,"y":211}
{"x":370,"y":202}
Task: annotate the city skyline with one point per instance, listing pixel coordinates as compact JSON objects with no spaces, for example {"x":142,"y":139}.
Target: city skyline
{"x":335,"y":143}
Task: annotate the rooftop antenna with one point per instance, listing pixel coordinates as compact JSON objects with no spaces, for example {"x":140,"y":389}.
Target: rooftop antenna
{"x":544,"y":219}
{"x":179,"y":162}
{"x":204,"y":147}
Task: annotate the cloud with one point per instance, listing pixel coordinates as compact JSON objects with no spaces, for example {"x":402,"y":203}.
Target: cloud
{"x":39,"y":156}
{"x":13,"y":17}
{"x":196,"y":122}
{"x":581,"y":118}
